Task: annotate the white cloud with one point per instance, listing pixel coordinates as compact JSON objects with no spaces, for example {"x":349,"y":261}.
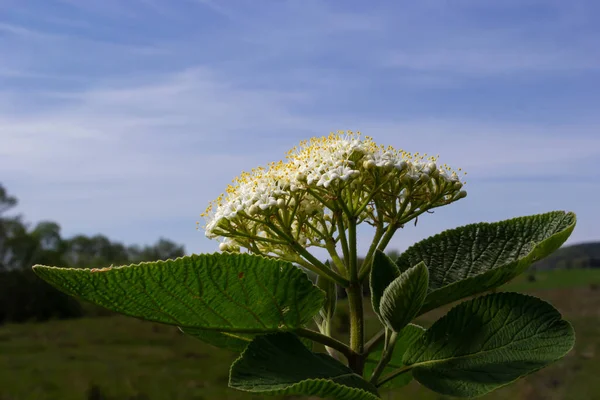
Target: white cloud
{"x":165,"y":149}
{"x":162,"y":129}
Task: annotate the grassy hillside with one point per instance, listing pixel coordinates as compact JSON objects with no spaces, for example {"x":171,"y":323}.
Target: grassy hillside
{"x":582,"y":255}
{"x":124,"y":358}
{"x":557,"y":279}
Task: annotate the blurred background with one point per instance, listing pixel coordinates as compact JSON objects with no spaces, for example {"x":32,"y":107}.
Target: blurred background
{"x":121,"y":120}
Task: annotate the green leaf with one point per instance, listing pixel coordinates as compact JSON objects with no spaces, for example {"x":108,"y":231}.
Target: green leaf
{"x":236,"y":342}
{"x":330,"y":289}
{"x":406,"y":337}
{"x":222,"y":292}
{"x":280,"y":364}
{"x":383,"y":272}
{"x":476,"y":258}
{"x":233,"y":341}
{"x":488,"y":342}
{"x":403,"y":298}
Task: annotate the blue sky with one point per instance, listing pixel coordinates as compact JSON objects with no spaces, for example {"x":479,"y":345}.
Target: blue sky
{"x":126,"y":117}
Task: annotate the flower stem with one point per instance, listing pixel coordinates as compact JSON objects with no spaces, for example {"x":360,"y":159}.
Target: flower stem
{"x":389,"y":234}
{"x":371,"y":252}
{"x":337,"y":261}
{"x":320,"y":268}
{"x":342,"y":235}
{"x":353,"y":261}
{"x":366,"y":267}
{"x":355,"y":301}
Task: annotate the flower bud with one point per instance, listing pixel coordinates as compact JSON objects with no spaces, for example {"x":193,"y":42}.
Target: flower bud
{"x":281,"y":203}
{"x":223,"y":246}
{"x":433,"y":171}
{"x":401,"y":166}
{"x":301,"y":177}
{"x":369,"y":164}
{"x":252,"y":210}
{"x":423,"y":178}
{"x":407,"y":179}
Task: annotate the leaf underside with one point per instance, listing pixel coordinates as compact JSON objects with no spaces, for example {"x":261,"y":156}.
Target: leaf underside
{"x":281,"y":364}
{"x":488,"y":342}
{"x":233,"y":341}
{"x":383,"y":272}
{"x":403,"y":298}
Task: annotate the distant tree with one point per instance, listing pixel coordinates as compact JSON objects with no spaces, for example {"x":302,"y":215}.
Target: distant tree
{"x":7,"y":225}
{"x":163,"y":250}
{"x":6,"y":201}
{"x":23,"y":296}
{"x":95,"y":252}
{"x":581,"y":255}
{"x":393,"y":254}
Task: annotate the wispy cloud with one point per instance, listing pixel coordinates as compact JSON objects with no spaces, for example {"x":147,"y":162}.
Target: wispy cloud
{"x":110,"y":124}
{"x":486,"y":61}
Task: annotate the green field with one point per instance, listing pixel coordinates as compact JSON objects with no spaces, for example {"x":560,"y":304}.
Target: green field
{"x":558,"y":279}
{"x":124,"y":358}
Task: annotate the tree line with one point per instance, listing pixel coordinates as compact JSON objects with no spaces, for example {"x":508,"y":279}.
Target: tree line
{"x":25,"y":297}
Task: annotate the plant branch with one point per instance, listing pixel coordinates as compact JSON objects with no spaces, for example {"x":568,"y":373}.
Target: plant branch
{"x":321,"y":268}
{"x":371,"y":252}
{"x":337,"y":261}
{"x":385,"y":358}
{"x":327,"y":341}
{"x":342,"y":235}
{"x":390,"y":231}
{"x":374,"y":341}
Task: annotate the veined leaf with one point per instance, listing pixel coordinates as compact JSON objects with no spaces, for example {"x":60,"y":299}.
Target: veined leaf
{"x":281,"y":364}
{"x":383,"y":272}
{"x":221,"y":292}
{"x":233,"y":341}
{"x":406,"y":337}
{"x":476,"y":258}
{"x":403,"y":298}
{"x":488,"y":342}
{"x":330,"y":289}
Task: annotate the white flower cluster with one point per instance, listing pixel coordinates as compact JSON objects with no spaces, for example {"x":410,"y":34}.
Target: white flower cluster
{"x":323,"y":183}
